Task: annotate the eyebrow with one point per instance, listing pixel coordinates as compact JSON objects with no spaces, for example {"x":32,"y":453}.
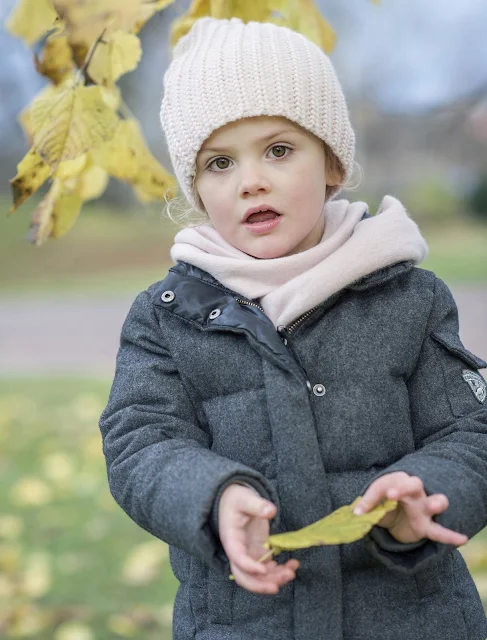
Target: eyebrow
{"x":263,"y":139}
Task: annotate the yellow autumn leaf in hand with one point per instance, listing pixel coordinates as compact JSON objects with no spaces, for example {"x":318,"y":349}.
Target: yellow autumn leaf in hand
{"x":340,"y":527}
{"x":69,"y":121}
{"x":57,"y":59}
{"x":113,"y":57}
{"x":32,"y":172}
{"x":30,"y":19}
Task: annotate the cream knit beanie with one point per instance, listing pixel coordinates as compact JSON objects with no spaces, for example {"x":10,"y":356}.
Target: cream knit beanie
{"x":224,"y":70}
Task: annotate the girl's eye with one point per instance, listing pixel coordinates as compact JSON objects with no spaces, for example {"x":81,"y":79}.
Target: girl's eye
{"x":279,"y":150}
{"x":219,"y":163}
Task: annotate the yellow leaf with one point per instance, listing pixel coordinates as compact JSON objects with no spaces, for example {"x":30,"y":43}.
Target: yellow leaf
{"x":92,"y":182}
{"x":340,"y":527}
{"x":32,"y":172}
{"x":24,"y":117}
{"x":11,"y":527}
{"x":65,"y":213}
{"x":182,"y":25}
{"x":27,"y":620}
{"x":86,"y":19}
{"x":122,"y":625}
{"x":30,"y":20}
{"x":144,"y":562}
{"x":31,"y":491}
{"x":148,"y":10}
{"x":120,"y":156}
{"x":113,"y":57}
{"x":70,"y":122}
{"x":73,"y":631}
{"x":57,"y":59}
{"x":55,"y":214}
{"x":71,"y":168}
{"x":37,"y":578}
{"x":128,"y":158}
{"x":305,"y":17}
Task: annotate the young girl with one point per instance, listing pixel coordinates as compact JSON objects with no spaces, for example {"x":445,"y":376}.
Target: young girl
{"x":293,"y":359}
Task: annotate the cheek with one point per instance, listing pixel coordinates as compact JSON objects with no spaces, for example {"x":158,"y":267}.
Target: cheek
{"x":308,"y":190}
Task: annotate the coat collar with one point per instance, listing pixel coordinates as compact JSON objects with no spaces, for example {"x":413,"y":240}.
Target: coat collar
{"x":197,"y":297}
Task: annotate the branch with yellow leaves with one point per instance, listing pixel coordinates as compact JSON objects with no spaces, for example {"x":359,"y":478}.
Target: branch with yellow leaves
{"x":82,"y":135}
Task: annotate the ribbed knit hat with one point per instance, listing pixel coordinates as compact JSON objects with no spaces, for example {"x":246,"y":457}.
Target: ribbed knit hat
{"x":224,"y":70}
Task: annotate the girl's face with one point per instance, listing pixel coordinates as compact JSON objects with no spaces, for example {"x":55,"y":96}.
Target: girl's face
{"x":264,"y":162}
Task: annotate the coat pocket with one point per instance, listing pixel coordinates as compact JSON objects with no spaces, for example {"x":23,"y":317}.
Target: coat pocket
{"x":465,"y":386}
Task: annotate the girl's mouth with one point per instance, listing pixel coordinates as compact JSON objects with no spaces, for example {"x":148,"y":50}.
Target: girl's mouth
{"x":263,"y":221}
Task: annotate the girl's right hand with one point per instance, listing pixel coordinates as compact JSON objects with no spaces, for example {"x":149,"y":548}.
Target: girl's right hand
{"x":243,"y":518}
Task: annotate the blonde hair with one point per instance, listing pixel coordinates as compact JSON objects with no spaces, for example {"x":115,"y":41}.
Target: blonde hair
{"x":183,"y":214}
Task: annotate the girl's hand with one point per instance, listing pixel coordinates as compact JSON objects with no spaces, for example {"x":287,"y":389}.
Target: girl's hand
{"x":412,"y":520}
{"x":243,"y":518}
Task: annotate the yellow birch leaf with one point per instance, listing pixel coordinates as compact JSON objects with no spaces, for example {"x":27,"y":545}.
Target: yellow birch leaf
{"x":70,"y":122}
{"x":92,"y":182}
{"x":120,"y":155}
{"x":128,"y":158}
{"x":243,"y":9}
{"x":153,"y":182}
{"x":182,"y":25}
{"x":114,"y":57}
{"x":24,"y":117}
{"x":86,"y":19}
{"x":57,"y":59}
{"x":148,"y":10}
{"x":55,"y":214}
{"x":305,"y":17}
{"x":71,"y":168}
{"x":30,"y":19}
{"x":32,"y":172}
{"x":340,"y":527}
{"x":65,"y":213}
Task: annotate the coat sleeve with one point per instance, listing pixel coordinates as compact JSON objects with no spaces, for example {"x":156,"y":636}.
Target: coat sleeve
{"x":449,"y":420}
{"x":160,"y":467}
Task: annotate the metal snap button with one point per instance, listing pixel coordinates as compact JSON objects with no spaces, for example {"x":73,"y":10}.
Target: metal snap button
{"x":168,"y":296}
{"x":319,"y":390}
{"x":214,"y":314}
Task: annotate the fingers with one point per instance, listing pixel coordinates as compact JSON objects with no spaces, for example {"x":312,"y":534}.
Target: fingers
{"x":436,"y":532}
{"x":392,"y":486}
{"x":276,"y":576}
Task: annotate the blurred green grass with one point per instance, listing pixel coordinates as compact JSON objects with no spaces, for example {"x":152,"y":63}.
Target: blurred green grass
{"x":68,"y":553}
{"x":70,"y":560}
{"x":110,"y":252}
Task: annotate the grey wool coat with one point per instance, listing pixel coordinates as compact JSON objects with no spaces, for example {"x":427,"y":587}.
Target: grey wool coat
{"x":373,"y":380}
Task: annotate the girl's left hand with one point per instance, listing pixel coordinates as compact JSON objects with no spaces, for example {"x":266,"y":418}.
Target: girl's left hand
{"x":412,"y":520}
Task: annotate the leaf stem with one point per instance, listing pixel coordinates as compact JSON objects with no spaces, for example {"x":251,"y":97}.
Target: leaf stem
{"x":267,"y":554}
{"x":89,"y":56}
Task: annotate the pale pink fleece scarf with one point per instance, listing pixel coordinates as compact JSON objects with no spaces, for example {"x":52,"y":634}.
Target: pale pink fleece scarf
{"x":288,"y":287}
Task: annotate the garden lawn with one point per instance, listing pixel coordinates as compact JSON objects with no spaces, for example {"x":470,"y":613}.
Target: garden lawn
{"x":122,"y":252}
{"x":72,"y":564}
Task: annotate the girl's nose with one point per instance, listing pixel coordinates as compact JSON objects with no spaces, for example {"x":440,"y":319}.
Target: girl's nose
{"x":253,"y":181}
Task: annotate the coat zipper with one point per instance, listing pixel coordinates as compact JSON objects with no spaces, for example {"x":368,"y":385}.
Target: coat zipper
{"x":292,"y":326}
